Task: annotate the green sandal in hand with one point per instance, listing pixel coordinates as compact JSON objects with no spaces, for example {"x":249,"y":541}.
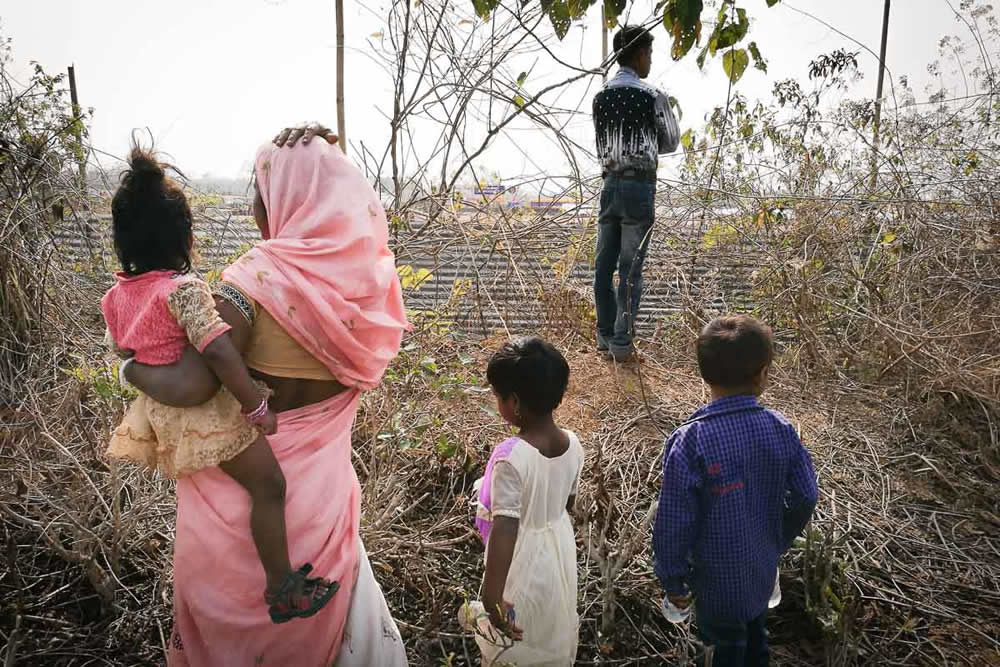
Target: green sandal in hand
{"x":299,"y":596}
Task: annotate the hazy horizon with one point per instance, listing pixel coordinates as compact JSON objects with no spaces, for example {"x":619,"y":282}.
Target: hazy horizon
{"x":213,"y":80}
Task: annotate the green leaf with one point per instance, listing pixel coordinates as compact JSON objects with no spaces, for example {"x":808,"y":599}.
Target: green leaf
{"x":519,"y":101}
{"x":676,"y":105}
{"x":720,"y":18}
{"x":682,"y":19}
{"x":727,"y":34}
{"x":687,"y":140}
{"x":428,"y":364}
{"x":772,"y":3}
{"x":410,"y":278}
{"x":521,"y":78}
{"x":577,"y":8}
{"x":559,"y":15}
{"x":446,"y":447}
{"x":713,"y":42}
{"x":612,"y":10}
{"x":688,"y":11}
{"x":758,"y":60}
{"x":735,"y":63}
{"x":683,"y":44}
{"x":484,"y":7}
{"x":701,"y":58}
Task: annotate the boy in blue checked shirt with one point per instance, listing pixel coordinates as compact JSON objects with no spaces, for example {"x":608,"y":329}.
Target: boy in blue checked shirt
{"x":738,"y":487}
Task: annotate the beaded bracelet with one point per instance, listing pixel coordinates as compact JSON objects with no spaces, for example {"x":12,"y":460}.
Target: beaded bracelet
{"x":257,"y":416}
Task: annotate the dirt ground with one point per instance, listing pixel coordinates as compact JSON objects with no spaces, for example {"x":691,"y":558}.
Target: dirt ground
{"x":901,"y":566}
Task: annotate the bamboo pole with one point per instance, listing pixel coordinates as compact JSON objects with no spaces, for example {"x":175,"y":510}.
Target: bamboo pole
{"x":341,"y":122}
{"x":878,"y":94}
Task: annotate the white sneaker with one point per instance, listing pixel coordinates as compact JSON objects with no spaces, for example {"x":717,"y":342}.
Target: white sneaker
{"x":776,"y":593}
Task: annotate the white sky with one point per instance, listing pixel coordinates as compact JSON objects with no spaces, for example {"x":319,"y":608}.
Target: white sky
{"x":213,"y":79}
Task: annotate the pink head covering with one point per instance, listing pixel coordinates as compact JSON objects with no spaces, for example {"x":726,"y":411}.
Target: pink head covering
{"x":326,"y":275}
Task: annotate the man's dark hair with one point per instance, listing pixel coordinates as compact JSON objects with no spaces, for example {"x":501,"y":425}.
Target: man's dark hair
{"x":150,"y":218}
{"x":534,"y":370}
{"x":629,"y":41}
{"x":733,"y":349}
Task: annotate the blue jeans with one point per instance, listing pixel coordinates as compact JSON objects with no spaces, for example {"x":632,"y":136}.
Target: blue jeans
{"x":624,"y":227}
{"x":734,"y":644}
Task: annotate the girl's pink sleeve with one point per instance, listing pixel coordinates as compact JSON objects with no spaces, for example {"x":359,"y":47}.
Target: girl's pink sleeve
{"x":193,"y":306}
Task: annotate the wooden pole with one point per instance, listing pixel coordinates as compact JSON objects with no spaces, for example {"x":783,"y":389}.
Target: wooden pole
{"x":341,"y":122}
{"x":604,"y":44}
{"x":77,"y":121}
{"x":878,"y":94}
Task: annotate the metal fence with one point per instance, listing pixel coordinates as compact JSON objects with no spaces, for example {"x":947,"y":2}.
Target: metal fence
{"x":504,"y":271}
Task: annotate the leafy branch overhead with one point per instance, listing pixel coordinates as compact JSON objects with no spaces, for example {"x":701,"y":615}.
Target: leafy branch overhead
{"x":682,"y":20}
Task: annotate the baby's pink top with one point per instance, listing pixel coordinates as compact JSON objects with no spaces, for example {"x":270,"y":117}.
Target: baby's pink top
{"x":139,"y":317}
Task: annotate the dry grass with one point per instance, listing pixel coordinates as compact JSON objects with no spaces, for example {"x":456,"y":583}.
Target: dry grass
{"x":901,"y":566}
{"x":901,"y":569}
{"x":888,"y":369}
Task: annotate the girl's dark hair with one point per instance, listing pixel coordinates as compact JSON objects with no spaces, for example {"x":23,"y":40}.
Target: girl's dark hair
{"x":733,"y":349}
{"x":534,"y":370}
{"x":151,"y":219}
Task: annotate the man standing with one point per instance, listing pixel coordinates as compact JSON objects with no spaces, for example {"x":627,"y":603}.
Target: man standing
{"x":634,"y":124}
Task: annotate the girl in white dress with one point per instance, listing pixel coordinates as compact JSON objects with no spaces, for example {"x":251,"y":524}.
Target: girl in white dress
{"x":527,"y":615}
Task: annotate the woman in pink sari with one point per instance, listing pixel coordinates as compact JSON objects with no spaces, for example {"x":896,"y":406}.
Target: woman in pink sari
{"x":317,"y":311}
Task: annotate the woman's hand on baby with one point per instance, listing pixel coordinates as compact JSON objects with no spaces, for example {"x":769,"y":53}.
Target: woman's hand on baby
{"x":290,"y":135}
{"x":269,"y":424}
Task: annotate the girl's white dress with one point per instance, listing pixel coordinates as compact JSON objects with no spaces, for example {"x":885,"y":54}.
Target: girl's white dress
{"x":542,"y":581}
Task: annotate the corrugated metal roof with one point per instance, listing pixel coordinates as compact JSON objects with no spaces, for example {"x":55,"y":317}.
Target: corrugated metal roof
{"x":509,"y":270}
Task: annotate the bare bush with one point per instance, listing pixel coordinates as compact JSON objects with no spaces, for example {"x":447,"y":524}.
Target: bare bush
{"x":884,"y":299}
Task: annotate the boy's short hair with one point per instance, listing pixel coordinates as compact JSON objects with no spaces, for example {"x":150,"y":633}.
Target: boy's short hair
{"x":733,"y":349}
{"x":534,"y":370}
{"x":629,"y":41}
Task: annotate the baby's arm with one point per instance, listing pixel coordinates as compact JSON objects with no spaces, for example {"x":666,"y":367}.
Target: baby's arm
{"x":194,"y":308}
{"x":189,"y":381}
{"x":222,"y":357}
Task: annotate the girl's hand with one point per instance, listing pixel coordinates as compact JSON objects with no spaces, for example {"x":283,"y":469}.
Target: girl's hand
{"x":502,"y":617}
{"x":269,"y":425}
{"x":682,"y":602}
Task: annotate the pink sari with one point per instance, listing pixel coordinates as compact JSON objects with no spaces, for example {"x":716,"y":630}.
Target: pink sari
{"x":328,"y":277}
{"x":219,"y":613}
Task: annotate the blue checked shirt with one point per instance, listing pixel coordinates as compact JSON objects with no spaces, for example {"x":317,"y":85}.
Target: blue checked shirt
{"x":738,"y":487}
